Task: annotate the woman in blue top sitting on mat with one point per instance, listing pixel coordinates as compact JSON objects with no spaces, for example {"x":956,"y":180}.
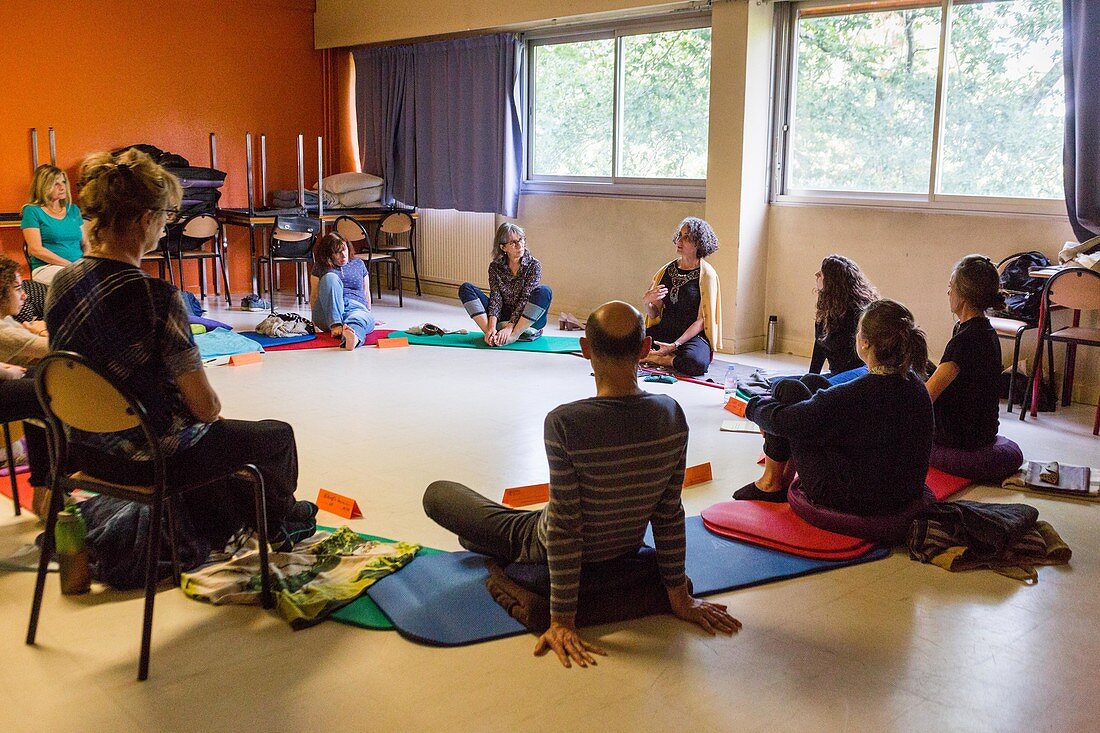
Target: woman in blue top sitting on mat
{"x":517,"y":304}
{"x":860,"y":447}
{"x":52,"y":225}
{"x":340,"y":292}
{"x":965,"y":388}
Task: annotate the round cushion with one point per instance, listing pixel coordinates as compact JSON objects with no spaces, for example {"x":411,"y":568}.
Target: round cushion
{"x":883,"y":528}
{"x":992,"y":464}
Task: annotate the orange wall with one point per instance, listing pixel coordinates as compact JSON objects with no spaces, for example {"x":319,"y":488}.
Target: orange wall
{"x":116,"y":72}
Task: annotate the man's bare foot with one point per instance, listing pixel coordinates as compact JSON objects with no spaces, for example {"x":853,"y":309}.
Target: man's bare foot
{"x":350,"y":339}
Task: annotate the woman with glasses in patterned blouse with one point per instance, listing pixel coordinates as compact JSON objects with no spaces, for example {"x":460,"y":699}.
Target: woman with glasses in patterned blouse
{"x":517,"y":304}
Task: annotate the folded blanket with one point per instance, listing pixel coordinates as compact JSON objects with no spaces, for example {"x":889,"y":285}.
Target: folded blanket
{"x":319,"y":576}
{"x":278,"y":325}
{"x":220,"y":342}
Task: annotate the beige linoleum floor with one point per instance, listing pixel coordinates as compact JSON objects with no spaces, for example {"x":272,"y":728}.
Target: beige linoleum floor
{"x":890,"y":645}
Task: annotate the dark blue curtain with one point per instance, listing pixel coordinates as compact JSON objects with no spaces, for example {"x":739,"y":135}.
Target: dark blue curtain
{"x":440,"y":122}
{"x":1081,"y":47}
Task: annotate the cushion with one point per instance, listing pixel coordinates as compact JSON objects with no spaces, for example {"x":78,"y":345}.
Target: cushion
{"x":359,"y":197}
{"x":991,"y":464}
{"x":343,"y":182}
{"x":777,"y":527}
{"x":616,"y":590}
{"x":884,"y":528}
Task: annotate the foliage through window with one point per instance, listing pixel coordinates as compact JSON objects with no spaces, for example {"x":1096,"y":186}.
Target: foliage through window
{"x":862,"y":109}
{"x":652,"y":125}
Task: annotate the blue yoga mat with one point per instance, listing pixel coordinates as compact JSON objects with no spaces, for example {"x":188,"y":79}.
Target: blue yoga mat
{"x":442,"y":599}
{"x":266,"y":341}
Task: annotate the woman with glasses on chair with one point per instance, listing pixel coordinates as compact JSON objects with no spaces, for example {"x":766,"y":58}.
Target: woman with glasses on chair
{"x":518,"y":302}
{"x":135,"y":329}
{"x":683,"y":306}
{"x":52,"y":225}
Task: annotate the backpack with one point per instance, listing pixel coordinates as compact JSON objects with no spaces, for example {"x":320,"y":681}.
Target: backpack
{"x":1023,"y":293}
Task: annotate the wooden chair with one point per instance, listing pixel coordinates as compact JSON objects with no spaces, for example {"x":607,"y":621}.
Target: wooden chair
{"x":357,"y":237}
{"x":192,"y":236}
{"x":162,"y":256}
{"x":1013,"y":329}
{"x":75,"y":394}
{"x":1078,"y":289}
{"x":399,"y":224}
{"x":291,"y":240}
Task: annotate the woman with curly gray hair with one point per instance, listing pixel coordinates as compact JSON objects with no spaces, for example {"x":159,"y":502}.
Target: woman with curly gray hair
{"x":683,"y":305}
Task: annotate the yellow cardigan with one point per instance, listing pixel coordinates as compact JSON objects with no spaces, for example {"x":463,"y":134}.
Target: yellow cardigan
{"x":710,"y":303}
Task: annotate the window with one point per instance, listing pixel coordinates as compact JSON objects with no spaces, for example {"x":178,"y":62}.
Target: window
{"x":619,"y":110}
{"x":954,"y":104}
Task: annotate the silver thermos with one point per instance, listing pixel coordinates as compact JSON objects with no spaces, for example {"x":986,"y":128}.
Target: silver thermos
{"x":773,"y":322}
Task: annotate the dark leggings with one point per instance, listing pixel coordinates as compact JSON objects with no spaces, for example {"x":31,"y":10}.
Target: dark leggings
{"x":482,"y":525}
{"x":18,"y":402}
{"x":789,"y":391}
{"x":692,"y":358}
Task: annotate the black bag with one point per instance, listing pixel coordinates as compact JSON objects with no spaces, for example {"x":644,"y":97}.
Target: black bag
{"x":1047,"y":394}
{"x":1023,"y":293}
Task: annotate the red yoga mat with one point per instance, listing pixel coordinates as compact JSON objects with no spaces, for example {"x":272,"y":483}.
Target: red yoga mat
{"x":22,"y":479}
{"x":777,"y":527}
{"x":324,"y":341}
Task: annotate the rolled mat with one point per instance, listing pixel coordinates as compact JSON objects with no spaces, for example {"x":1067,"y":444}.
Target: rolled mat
{"x":442,"y":599}
{"x":543,"y":344}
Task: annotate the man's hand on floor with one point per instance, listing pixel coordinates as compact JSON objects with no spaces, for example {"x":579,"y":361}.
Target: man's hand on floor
{"x":712,"y":617}
{"x":568,"y":645}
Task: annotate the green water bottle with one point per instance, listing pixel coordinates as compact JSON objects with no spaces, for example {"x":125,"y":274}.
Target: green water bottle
{"x":72,"y":554}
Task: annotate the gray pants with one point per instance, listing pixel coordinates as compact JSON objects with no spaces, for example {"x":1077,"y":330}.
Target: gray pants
{"x":484,"y":526}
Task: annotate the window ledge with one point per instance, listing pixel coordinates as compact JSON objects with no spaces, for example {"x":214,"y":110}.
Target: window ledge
{"x":987,"y":207}
{"x":666,"y":191}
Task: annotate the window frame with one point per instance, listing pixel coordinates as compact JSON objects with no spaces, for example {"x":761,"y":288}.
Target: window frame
{"x":786,"y":60}
{"x":613,"y":185}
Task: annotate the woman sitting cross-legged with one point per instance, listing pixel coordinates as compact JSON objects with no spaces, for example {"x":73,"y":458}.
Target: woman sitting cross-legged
{"x":135,"y":329}
{"x":965,"y":388}
{"x":860,"y":447}
{"x":517,"y":304}
{"x":341,"y":292}
{"x":843,"y":291}
{"x":683,"y":306}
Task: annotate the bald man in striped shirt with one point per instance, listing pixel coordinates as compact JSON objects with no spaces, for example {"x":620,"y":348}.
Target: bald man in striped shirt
{"x":616,"y":465}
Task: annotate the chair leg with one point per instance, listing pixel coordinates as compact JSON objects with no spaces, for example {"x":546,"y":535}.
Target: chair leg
{"x":224,"y":263}
{"x":416,"y":273}
{"x":1012,"y":369}
{"x":202,"y":278}
{"x":11,"y":469}
{"x":173,"y":544}
{"x":48,"y":544}
{"x":151,"y":560}
{"x":266,"y":599}
{"x":400,"y":290}
{"x":271,"y":270}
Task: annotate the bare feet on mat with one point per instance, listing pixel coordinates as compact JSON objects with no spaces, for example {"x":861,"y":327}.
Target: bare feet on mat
{"x":350,"y":339}
{"x":336,"y":330}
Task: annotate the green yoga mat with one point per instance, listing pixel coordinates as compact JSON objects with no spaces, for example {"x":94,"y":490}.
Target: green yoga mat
{"x":544,"y":344}
{"x":363,"y":611}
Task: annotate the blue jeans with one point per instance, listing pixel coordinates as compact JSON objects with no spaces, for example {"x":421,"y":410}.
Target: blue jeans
{"x":536,"y":311}
{"x":332,"y":307}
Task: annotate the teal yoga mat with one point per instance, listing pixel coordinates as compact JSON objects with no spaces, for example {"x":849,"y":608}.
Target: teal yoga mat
{"x":544,"y":344}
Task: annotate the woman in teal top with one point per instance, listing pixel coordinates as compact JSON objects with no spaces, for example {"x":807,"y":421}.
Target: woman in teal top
{"x":52,"y":225}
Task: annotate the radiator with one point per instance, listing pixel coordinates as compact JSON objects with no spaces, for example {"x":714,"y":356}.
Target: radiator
{"x":454,"y":246}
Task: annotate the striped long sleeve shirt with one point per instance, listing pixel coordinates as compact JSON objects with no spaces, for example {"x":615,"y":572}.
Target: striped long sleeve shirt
{"x":616,"y":465}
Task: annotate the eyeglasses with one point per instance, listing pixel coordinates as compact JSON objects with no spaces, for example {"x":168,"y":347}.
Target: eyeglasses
{"x":516,"y":242}
{"x":680,"y":235}
{"x":170,"y":215}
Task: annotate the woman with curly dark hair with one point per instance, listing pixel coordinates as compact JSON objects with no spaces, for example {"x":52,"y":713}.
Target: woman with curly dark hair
{"x":683,"y":306}
{"x":843,"y":291}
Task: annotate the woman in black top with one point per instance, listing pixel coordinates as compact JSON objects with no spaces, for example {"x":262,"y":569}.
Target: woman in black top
{"x":965,"y":388}
{"x":860,"y":447}
{"x":842,"y":293}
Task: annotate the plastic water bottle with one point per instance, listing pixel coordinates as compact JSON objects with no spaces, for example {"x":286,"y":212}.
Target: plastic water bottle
{"x":730,"y":383}
{"x":72,"y":555}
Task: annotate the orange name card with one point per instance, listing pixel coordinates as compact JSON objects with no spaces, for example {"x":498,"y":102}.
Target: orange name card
{"x":698,"y":474}
{"x":250,"y":357}
{"x":526,"y":495}
{"x":338,"y":504}
{"x":737,"y":406}
{"x":393,"y":343}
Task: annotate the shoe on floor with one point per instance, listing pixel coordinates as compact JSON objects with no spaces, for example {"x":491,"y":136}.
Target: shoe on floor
{"x":253,"y":302}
